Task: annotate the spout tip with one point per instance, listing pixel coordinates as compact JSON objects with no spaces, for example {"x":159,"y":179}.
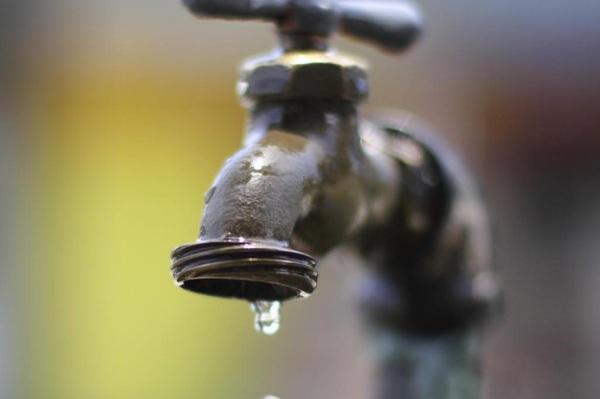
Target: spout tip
{"x":245,"y":270}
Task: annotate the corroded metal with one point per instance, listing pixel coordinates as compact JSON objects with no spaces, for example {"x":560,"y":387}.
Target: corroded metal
{"x":312,"y":176}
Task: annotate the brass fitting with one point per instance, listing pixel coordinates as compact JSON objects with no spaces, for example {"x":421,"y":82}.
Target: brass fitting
{"x":311,"y":75}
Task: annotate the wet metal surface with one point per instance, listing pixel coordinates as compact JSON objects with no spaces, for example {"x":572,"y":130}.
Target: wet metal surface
{"x":312,"y":175}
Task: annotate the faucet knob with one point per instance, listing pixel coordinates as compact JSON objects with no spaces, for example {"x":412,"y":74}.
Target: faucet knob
{"x":390,"y":24}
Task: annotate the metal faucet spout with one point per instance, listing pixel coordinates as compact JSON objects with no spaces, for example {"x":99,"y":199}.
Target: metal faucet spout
{"x":312,"y":175}
{"x":300,"y":185}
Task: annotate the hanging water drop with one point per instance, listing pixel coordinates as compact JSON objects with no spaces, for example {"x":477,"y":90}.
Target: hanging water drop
{"x":267,"y":318}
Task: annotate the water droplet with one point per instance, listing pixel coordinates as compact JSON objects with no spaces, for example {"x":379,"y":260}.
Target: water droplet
{"x":267,"y":318}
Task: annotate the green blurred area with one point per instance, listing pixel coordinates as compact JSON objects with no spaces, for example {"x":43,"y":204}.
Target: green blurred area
{"x":119,"y":163}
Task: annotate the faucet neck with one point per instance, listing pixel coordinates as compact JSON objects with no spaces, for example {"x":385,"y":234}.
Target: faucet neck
{"x":321,"y":120}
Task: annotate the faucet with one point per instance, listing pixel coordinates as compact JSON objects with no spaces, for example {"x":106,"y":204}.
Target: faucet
{"x":313,"y":175}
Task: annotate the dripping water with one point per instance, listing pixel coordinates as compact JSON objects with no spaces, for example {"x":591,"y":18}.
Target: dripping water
{"x":267,"y":317}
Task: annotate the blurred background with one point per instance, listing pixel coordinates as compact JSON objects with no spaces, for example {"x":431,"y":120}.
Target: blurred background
{"x":116,"y":115}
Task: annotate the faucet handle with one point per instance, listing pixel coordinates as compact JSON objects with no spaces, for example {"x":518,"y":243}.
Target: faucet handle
{"x":390,"y":24}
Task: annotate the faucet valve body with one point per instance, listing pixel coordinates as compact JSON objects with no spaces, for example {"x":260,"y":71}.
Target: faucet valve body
{"x":312,"y":176}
